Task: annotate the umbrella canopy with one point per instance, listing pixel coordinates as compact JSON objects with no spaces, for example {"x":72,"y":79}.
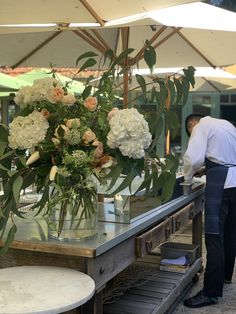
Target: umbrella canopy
{"x":59,"y":13}
{"x":207,"y":79}
{"x":174,"y":46}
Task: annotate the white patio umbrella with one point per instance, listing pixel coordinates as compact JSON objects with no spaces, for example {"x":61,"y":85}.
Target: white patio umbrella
{"x":207,"y":79}
{"x":49,"y":15}
{"x":175,"y":46}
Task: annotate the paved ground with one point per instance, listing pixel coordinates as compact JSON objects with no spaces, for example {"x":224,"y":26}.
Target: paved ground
{"x":226,"y":305}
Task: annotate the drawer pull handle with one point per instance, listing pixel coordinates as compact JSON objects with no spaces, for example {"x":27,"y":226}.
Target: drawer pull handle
{"x":167,"y":233}
{"x":149,"y":248}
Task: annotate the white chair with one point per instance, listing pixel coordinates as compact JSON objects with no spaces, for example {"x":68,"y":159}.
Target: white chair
{"x":43,"y":289}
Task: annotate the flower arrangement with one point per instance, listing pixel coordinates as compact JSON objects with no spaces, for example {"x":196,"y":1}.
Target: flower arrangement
{"x":61,"y":140}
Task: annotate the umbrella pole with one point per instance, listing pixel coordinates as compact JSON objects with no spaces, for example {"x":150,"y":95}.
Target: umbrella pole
{"x":167,"y":144}
{"x":125,"y":89}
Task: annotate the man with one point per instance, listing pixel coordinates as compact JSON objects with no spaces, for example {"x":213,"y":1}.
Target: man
{"x":213,"y":143}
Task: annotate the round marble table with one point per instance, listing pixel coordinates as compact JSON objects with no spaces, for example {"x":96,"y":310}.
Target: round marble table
{"x":43,"y":289}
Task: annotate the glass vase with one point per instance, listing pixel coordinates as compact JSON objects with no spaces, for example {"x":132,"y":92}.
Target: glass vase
{"x":72,"y":213}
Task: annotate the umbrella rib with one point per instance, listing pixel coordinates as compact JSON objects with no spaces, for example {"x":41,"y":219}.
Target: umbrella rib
{"x":195,"y":48}
{"x":160,"y":42}
{"x":125,"y":37}
{"x":141,"y":51}
{"x":36,"y":49}
{"x":92,"y":38}
{"x":92,"y":12}
{"x":102,"y":40}
{"x":211,"y":84}
{"x":90,"y":42}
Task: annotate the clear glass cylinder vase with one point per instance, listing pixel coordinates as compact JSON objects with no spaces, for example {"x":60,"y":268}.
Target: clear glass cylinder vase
{"x":72,"y":214}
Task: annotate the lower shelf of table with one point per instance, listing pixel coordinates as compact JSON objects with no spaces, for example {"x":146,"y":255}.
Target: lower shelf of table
{"x":156,"y":294}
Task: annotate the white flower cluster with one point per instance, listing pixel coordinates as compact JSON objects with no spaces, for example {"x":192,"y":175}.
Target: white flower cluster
{"x":27,"y":132}
{"x":46,"y":89}
{"x":129,"y":132}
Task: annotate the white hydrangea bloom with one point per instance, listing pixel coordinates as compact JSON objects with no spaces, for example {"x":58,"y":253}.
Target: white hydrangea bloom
{"x":39,"y":91}
{"x":129,"y":132}
{"x":27,"y":132}
{"x":20,"y":96}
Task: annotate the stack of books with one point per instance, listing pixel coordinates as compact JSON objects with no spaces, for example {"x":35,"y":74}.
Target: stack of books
{"x":177,"y":265}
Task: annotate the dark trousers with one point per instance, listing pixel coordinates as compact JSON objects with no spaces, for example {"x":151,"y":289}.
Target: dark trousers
{"x":221,"y":249}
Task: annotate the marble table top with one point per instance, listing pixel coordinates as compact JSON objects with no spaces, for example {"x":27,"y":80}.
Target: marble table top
{"x":43,"y":289}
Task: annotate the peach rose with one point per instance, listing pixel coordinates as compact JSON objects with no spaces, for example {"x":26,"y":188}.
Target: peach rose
{"x":56,"y":94}
{"x":68,"y":99}
{"x":73,"y":123}
{"x":106,"y":161}
{"x":98,"y":151}
{"x":88,"y":136}
{"x":91,"y":103}
{"x":45,"y":113}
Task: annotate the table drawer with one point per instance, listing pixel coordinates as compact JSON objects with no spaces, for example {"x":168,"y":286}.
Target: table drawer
{"x":147,"y":241}
{"x":182,"y":217}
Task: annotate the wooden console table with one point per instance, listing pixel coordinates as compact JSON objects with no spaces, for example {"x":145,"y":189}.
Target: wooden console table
{"x":116,"y":246}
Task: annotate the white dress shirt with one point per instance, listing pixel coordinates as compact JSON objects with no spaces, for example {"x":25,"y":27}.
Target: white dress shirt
{"x":214,"y":139}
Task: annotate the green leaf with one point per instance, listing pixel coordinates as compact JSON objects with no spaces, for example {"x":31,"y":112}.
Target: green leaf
{"x":28,"y":179}
{"x":123,"y":56}
{"x":116,"y":172}
{"x":108,"y":54}
{"x":150,"y":56}
{"x":8,"y":154}
{"x":90,"y":78}
{"x":44,"y":199}
{"x":86,"y":91}
{"x":172,"y":122}
{"x":9,"y":240}
{"x":4,"y":168}
{"x":48,"y":146}
{"x":172,"y":163}
{"x":17,"y":185}
{"x":185,"y":89}
{"x":189,"y":74}
{"x":88,"y":54}
{"x":163,"y":94}
{"x":157,"y":130}
{"x":4,"y":217}
{"x":3,"y":146}
{"x":87,"y":64}
{"x":141,"y":81}
{"x":4,"y":133}
{"x":168,"y":186}
{"x":21,"y":160}
{"x":171,"y":86}
{"x":179,"y":91}
{"x":146,"y":184}
{"x":125,"y":183}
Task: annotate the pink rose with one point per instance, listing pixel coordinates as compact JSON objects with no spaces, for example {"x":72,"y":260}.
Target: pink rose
{"x":91,"y":103}
{"x":112,"y":113}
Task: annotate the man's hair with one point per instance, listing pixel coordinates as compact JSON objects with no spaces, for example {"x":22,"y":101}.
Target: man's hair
{"x":190,"y":118}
